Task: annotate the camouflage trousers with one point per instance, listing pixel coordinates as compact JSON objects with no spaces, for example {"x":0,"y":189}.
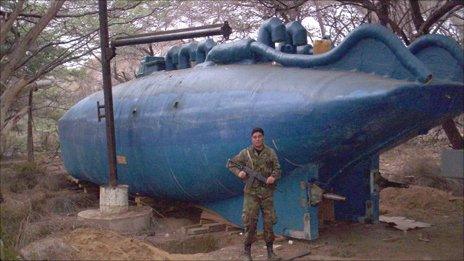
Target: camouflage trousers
{"x":252,"y":204}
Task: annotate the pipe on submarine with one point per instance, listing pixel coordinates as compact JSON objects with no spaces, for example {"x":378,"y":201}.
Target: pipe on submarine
{"x":218,"y":29}
{"x":333,"y":197}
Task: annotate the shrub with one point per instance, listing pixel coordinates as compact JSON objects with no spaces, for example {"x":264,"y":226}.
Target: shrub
{"x":25,"y":178}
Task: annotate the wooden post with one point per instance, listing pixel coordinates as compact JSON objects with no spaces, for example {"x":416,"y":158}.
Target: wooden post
{"x":452,"y":132}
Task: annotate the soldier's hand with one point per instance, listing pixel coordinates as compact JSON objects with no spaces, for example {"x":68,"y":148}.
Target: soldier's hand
{"x":242,"y":174}
{"x":270,"y":180}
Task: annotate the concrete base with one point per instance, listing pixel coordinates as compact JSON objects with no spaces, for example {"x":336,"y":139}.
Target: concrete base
{"x":134,"y":220}
{"x":114,"y":200}
{"x":452,"y":163}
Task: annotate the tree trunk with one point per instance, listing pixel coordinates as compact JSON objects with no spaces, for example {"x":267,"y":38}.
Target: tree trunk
{"x":319,"y":19}
{"x":416,"y":14}
{"x":8,"y":97}
{"x":383,"y":12}
{"x":30,"y":141}
{"x":437,"y":15}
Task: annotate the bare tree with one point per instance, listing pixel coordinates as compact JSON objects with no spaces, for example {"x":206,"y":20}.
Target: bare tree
{"x":399,"y":15}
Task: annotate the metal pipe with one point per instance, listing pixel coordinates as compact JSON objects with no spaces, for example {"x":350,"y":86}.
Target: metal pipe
{"x":106,"y":55}
{"x":333,"y":197}
{"x":218,"y":29}
{"x":171,"y":31}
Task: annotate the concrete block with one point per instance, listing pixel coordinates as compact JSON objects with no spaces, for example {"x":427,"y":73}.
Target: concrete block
{"x":452,"y":163}
{"x":132,"y":221}
{"x":114,"y":200}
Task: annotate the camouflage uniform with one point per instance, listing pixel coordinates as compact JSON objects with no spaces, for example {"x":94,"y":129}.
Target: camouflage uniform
{"x":258,"y":195}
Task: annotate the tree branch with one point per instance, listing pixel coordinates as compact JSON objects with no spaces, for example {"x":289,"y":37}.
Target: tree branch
{"x":17,"y":55}
{"x":437,"y":15}
{"x":416,"y":14}
{"x":75,"y":15}
{"x":6,"y":26}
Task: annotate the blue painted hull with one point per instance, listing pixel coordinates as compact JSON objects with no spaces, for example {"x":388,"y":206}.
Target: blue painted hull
{"x":327,"y":124}
{"x":177,"y":129}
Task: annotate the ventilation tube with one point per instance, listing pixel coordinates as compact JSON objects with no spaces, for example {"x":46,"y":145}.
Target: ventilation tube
{"x":304,"y":49}
{"x":232,"y":52}
{"x":420,"y":72}
{"x":203,"y":49}
{"x":248,"y":49}
{"x":447,"y":43}
{"x":172,"y":58}
{"x":150,"y":64}
{"x":271,"y":32}
{"x":187,"y":53}
{"x":287,"y":48}
{"x":442,"y":55}
{"x":296,"y":34}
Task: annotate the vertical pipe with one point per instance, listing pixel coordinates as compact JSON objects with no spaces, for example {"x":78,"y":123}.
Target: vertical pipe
{"x":106,"y":56}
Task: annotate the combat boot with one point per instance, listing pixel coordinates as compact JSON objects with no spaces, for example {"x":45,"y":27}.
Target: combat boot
{"x":247,"y":253}
{"x":270,"y":252}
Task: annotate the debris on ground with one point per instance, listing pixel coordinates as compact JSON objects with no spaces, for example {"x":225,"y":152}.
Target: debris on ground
{"x":403,"y":223}
{"x":391,"y":239}
{"x":424,"y":237}
{"x":274,"y":247}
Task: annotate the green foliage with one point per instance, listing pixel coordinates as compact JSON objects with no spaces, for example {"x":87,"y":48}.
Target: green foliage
{"x":28,"y":168}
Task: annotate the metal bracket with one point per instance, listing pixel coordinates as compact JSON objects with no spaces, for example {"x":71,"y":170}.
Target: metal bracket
{"x":314,"y":194}
{"x":111,"y":52}
{"x":99,"y":114}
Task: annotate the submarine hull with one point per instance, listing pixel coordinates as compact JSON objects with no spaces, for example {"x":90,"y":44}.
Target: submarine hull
{"x":176,"y":129}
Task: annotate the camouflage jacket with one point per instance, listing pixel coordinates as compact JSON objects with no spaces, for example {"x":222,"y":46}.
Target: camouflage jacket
{"x":265,"y":162}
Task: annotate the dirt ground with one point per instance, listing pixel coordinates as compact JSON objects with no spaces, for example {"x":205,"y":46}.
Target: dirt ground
{"x":39,"y":220}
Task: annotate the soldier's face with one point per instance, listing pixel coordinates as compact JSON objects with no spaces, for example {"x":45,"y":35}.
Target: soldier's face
{"x":257,"y":139}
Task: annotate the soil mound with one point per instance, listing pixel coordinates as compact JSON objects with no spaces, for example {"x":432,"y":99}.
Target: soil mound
{"x":94,"y":244}
{"x":432,"y":200}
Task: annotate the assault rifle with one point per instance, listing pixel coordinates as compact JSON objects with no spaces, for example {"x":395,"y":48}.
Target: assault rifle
{"x":251,"y":173}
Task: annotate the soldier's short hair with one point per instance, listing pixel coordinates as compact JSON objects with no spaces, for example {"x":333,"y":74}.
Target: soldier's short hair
{"x":257,"y":129}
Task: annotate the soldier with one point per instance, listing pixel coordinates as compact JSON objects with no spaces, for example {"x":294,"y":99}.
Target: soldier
{"x":258,"y":195}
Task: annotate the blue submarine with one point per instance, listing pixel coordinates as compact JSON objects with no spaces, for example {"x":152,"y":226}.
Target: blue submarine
{"x":328,"y":117}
